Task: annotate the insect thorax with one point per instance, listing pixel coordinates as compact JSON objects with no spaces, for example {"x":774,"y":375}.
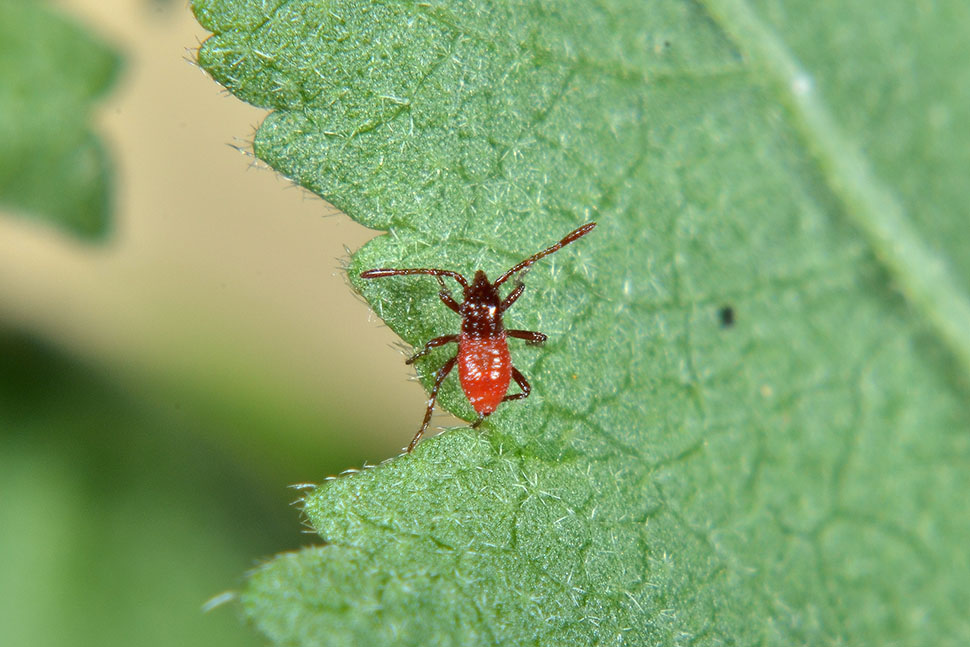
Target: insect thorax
{"x":481,"y":311}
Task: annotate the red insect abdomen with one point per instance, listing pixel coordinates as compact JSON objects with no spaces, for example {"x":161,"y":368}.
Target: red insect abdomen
{"x":485,"y":369}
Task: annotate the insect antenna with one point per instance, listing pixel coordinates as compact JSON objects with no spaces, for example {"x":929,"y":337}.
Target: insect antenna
{"x":381,"y":272}
{"x":570,"y":237}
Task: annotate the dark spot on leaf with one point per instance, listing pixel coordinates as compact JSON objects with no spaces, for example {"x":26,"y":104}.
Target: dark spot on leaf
{"x":726,"y":313}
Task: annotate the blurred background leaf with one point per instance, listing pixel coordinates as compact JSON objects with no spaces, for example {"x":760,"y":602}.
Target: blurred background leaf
{"x":792,"y":473}
{"x":118,"y":519}
{"x":52,"y":166}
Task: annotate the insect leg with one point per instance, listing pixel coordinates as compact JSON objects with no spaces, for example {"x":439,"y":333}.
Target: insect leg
{"x":434,"y":343}
{"x":439,"y":378}
{"x":529,"y":336}
{"x":481,"y":419}
{"x":511,"y":298}
{"x":446,"y":297}
{"x":523,"y":384}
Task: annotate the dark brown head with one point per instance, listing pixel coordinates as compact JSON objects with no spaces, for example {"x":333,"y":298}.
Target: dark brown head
{"x":481,"y":312}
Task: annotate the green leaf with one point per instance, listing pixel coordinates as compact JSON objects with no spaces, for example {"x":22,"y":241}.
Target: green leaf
{"x":793,"y":474}
{"x":52,"y":167}
{"x":102,"y":495}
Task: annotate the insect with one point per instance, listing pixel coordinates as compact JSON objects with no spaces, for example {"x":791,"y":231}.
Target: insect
{"x":485,"y":368}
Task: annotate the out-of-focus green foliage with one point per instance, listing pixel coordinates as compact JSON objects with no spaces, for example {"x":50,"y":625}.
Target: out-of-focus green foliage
{"x":52,"y":166}
{"x":117,"y":520}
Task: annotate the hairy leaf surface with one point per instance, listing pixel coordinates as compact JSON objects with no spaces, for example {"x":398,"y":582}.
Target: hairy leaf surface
{"x":792,"y":473}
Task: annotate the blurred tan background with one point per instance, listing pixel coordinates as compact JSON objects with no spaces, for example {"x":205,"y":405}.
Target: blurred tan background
{"x":222,"y":282}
